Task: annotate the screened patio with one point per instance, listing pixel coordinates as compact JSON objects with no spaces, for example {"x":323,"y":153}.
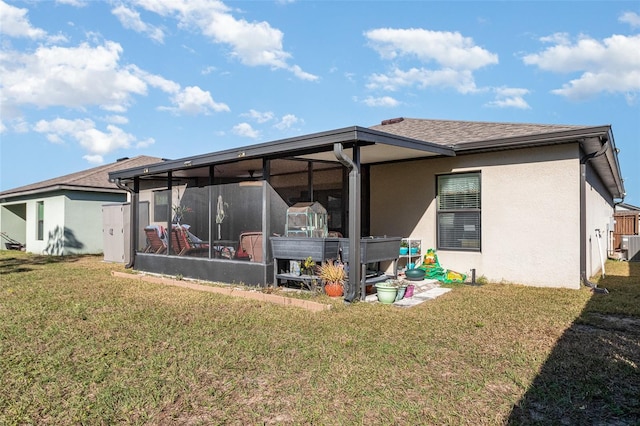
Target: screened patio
{"x":212,"y":216}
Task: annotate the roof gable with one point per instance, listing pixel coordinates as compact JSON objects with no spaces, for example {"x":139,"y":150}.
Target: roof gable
{"x":94,"y":179}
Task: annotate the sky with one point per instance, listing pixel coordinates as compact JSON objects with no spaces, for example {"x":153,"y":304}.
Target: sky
{"x":83,"y":83}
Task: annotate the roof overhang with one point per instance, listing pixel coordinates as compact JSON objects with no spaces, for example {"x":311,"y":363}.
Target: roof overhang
{"x":5,"y":196}
{"x":591,"y":140}
{"x":378,"y":147}
{"x":375,"y":147}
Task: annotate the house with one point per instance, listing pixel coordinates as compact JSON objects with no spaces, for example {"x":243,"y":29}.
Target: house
{"x":63,"y":215}
{"x":519,"y":203}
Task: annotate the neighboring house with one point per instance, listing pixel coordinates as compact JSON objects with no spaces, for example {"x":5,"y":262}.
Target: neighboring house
{"x":627,"y":222}
{"x":519,"y":203}
{"x":63,"y":215}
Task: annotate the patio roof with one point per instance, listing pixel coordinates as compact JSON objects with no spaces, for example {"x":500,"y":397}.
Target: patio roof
{"x":408,"y":138}
{"x":375,"y":146}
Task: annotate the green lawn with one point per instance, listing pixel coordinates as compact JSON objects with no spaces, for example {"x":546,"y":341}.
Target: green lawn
{"x":78,"y":346}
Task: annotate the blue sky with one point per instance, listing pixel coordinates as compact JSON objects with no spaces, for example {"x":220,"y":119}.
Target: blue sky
{"x":86,"y":82}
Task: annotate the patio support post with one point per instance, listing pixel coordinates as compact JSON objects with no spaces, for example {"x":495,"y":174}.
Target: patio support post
{"x":354,"y":218}
{"x":210,"y":212}
{"x":133,"y":217}
{"x":170,"y":213}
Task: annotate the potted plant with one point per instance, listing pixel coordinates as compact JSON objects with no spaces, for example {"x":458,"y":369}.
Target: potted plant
{"x":333,"y":275}
{"x":387,"y":291}
{"x":307,"y":266}
{"x":404,"y":247}
{"x":415,"y":247}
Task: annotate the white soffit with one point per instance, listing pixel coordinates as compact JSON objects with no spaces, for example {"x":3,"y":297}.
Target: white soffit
{"x":377,"y":153}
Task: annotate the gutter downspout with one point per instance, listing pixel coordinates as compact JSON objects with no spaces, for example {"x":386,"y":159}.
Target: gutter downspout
{"x":354,"y":220}
{"x":133,"y":213}
{"x":583,"y":215}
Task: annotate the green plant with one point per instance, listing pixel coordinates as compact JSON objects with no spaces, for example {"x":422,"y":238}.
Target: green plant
{"x":331,"y":271}
{"x":404,"y":243}
{"x":308,"y":265}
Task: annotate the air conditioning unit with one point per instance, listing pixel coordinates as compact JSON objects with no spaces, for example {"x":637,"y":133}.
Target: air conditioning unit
{"x":630,"y":246}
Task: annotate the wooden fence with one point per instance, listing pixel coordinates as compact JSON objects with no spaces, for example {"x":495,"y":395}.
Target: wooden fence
{"x":626,"y":224}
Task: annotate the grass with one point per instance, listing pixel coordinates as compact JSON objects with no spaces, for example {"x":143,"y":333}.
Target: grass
{"x":78,"y":346}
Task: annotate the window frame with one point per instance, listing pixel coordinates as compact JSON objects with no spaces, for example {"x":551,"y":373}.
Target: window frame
{"x":160,"y":209}
{"x":39,"y":220}
{"x":465,"y":212}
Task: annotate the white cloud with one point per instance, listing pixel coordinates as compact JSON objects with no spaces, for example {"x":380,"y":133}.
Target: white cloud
{"x":252,"y":43}
{"x":245,"y":130}
{"x":145,"y":143}
{"x":156,"y":81}
{"x":14,"y":23}
{"x":86,"y":75}
{"x":260,"y":117}
{"x":75,"y":3}
{"x":193,"y":100}
{"x":631,"y":18}
{"x":83,"y":131}
{"x":116,"y":119}
{"x":453,"y":58}
{"x":610,"y":65}
{"x":461,"y":80}
{"x":384,"y":101}
{"x":13,"y":124}
{"x":72,"y":77}
{"x":287,"y":121}
{"x":208,"y":70}
{"x":302,"y":75}
{"x":447,"y":49}
{"x":131,"y":19}
{"x":510,"y":97}
{"x":94,"y":159}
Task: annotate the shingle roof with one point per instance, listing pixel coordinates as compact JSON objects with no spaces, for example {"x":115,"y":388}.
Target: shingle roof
{"x":95,"y":179}
{"x":456,"y":133}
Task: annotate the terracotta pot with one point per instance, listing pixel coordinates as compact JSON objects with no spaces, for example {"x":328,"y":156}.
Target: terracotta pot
{"x":333,"y":289}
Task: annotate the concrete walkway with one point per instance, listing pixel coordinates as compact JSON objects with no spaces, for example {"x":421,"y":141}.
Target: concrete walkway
{"x":424,"y":290}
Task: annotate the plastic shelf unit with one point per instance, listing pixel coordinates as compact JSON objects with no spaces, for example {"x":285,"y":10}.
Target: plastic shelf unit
{"x":410,"y":252}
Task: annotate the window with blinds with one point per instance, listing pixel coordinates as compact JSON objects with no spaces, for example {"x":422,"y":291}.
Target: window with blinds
{"x":459,"y":211}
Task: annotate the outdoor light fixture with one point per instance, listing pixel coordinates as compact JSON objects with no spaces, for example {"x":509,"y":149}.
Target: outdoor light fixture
{"x":187,"y":163}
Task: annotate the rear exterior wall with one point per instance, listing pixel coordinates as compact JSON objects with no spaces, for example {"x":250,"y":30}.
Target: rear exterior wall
{"x":530,"y":218}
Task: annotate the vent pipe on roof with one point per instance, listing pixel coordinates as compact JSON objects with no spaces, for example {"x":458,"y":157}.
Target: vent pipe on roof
{"x":354,"y":220}
{"x":392,"y":121}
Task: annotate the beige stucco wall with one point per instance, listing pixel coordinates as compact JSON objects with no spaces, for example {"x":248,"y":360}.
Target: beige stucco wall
{"x":599,"y":216}
{"x":530,"y":212}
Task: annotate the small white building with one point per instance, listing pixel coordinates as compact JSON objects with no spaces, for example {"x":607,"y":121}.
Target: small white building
{"x":63,"y":215}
